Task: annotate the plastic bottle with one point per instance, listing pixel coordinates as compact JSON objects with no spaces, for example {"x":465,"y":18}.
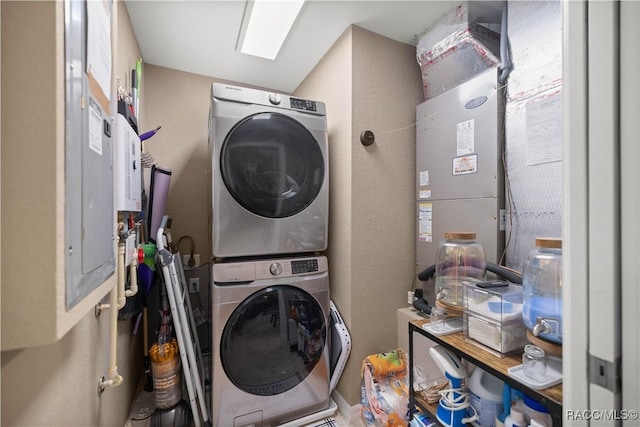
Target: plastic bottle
{"x":485,"y":392}
{"x":515,"y":418}
{"x":535,"y":411}
{"x":460,"y":259}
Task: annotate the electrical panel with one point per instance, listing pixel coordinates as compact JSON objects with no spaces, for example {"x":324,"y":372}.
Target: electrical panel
{"x":89,"y":176}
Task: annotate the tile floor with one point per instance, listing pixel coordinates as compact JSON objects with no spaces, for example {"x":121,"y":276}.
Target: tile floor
{"x":144,"y":406}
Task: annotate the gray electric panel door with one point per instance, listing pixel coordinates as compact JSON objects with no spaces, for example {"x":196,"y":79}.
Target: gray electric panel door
{"x":89,"y":179}
{"x":459,"y":174}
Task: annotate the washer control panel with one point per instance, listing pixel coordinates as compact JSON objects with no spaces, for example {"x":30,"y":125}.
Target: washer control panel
{"x":304,"y":266}
{"x":275,"y":268}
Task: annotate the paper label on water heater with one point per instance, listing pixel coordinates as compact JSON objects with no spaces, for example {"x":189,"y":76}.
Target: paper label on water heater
{"x":425,"y":216}
{"x":465,"y":165}
{"x":425,"y":194}
{"x":465,"y":143}
{"x":424,"y":178}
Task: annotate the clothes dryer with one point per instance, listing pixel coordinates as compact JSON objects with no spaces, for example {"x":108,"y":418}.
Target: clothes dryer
{"x":270,"y":348}
{"x":269,"y":177}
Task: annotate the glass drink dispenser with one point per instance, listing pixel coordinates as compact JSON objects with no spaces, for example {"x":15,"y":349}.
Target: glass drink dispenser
{"x":542,"y":289}
{"x":460,"y":259}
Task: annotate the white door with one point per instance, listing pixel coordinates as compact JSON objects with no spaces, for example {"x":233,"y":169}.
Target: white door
{"x":601,"y":217}
{"x":630,"y":204}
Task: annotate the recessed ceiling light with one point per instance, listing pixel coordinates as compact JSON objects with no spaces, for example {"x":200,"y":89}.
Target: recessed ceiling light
{"x":268,"y":24}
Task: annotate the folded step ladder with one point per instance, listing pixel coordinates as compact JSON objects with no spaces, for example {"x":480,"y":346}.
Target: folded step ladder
{"x":184,"y":326}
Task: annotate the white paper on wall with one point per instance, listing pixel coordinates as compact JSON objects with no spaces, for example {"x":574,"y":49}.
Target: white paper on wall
{"x":544,"y":130}
{"x":99,"y":45}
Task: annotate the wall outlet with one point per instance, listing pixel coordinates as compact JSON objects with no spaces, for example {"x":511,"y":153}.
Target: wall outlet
{"x":187,"y":258}
{"x":198,"y":316}
{"x":194,"y":285}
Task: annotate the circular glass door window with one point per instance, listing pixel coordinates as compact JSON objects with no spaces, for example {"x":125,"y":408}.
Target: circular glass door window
{"x":272,"y":165}
{"x":273,"y":340}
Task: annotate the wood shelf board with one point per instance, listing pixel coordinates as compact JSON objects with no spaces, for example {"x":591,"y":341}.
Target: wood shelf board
{"x":426,"y":407}
{"x":486,"y":359}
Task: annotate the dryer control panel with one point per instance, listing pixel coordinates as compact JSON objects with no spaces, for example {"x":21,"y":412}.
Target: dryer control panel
{"x":248,"y":271}
{"x":226,"y":92}
{"x":301,"y":104}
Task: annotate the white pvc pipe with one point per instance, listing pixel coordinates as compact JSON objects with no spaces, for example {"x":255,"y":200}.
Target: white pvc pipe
{"x":114,"y":379}
{"x":122,"y":299}
{"x":118,"y":298}
{"x":133,"y":278}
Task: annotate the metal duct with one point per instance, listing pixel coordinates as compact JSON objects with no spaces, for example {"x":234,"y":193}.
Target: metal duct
{"x":462,"y":44}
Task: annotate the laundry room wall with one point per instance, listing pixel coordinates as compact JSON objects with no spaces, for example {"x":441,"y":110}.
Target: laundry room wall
{"x":369,"y":82}
{"x":56,"y":384}
{"x":179,"y":102}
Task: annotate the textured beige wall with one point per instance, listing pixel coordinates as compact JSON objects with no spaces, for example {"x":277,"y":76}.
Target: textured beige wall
{"x":57,"y":384}
{"x":179,"y":102}
{"x":331,"y":82}
{"x":372,"y":83}
{"x":386,"y":90}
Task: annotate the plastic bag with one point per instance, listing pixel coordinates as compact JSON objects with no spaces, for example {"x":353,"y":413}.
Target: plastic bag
{"x":385,"y":392}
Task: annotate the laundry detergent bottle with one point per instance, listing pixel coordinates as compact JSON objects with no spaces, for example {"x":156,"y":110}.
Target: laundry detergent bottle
{"x":485,"y":391}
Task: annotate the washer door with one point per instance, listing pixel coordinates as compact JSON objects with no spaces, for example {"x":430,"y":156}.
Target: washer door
{"x":272,"y":165}
{"x":273,"y":340}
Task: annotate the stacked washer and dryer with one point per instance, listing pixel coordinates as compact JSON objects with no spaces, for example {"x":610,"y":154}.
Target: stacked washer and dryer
{"x":270,"y":288}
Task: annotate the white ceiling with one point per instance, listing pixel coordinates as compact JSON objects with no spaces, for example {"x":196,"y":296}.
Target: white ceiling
{"x":200,"y":36}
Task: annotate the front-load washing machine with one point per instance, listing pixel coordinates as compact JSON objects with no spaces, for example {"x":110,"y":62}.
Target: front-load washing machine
{"x":270,"y":173}
{"x":270,"y":353}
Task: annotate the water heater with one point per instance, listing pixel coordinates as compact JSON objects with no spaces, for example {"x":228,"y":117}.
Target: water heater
{"x":459,"y":173}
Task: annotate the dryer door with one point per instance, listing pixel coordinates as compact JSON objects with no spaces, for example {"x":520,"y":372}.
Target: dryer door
{"x":273,"y":340}
{"x":272,"y":165}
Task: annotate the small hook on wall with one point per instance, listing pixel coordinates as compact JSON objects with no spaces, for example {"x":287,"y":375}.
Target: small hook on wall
{"x":367,"y":138}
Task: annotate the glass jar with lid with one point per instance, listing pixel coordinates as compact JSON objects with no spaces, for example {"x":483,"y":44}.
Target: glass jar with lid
{"x":534,"y":363}
{"x":460,"y":259}
{"x":542,"y":289}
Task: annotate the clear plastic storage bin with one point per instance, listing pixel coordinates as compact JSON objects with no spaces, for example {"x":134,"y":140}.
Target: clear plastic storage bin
{"x":493,"y":316}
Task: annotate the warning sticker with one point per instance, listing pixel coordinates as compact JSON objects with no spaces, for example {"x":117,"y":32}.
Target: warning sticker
{"x":465,"y":165}
{"x":465,"y":142}
{"x":425,"y":216}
